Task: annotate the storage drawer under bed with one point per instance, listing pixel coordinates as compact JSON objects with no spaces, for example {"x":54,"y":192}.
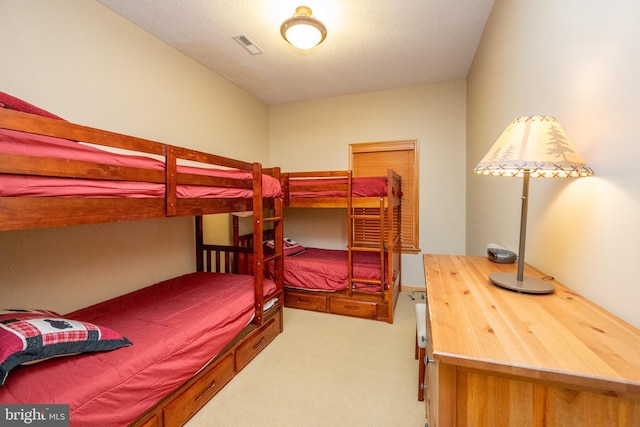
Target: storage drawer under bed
{"x":257,"y":341}
{"x":193,"y":398}
{"x":349,"y":307}
{"x":306,"y":301}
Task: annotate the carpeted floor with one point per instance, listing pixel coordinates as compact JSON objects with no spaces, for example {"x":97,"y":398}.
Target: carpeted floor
{"x":327,"y":370}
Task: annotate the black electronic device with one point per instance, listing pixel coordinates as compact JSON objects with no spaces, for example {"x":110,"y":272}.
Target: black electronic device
{"x":501,"y":256}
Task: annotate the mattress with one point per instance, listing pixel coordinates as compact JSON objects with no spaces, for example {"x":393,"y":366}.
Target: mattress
{"x":32,"y":145}
{"x":326,"y":270}
{"x":176,"y":327}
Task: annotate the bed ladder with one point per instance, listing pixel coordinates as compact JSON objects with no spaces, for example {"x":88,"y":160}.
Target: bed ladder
{"x":260,"y":259}
{"x":365,"y":245}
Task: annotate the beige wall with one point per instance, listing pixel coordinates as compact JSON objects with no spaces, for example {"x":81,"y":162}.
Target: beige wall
{"x":578,"y":61}
{"x":315,"y":135}
{"x":90,"y":66}
{"x":575,"y":60}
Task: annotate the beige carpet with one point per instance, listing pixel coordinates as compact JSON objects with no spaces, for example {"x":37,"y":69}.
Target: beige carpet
{"x":327,"y":370}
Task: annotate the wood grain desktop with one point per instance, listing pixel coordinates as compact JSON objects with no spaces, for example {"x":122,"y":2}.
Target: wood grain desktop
{"x":503,"y":358}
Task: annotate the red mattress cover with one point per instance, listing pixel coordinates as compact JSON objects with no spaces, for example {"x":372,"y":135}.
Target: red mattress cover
{"x":14,"y":142}
{"x":360,"y":187}
{"x":326,"y":270}
{"x":176,"y":327}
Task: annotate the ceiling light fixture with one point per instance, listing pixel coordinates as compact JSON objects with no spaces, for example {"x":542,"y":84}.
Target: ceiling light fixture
{"x":302,"y":30}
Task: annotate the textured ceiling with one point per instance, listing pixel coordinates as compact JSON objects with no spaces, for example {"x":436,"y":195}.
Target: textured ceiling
{"x":371,"y":44}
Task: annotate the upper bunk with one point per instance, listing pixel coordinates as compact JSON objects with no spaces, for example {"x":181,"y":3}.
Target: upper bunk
{"x":56,"y":173}
{"x":330,"y":189}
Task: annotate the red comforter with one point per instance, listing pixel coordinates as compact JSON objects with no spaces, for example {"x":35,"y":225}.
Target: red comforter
{"x":326,"y":270}
{"x":360,"y":187}
{"x":176,"y":327}
{"x":13,"y":142}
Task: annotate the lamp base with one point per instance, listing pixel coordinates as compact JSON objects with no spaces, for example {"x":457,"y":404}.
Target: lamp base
{"x":528,"y":285}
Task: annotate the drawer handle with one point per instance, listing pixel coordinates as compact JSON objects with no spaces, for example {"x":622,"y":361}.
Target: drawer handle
{"x":351,"y":307}
{"x":258,"y":343}
{"x":204,"y":392}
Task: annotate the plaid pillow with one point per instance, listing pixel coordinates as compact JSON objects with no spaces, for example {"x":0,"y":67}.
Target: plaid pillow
{"x":30,"y":336}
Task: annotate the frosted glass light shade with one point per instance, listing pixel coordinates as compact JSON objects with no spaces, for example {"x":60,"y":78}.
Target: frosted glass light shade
{"x":302,"y":30}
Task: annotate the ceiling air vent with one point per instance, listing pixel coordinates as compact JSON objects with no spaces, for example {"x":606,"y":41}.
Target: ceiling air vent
{"x":247,"y":44}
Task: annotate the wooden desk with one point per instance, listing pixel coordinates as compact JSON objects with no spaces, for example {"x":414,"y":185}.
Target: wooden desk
{"x":508,"y":359}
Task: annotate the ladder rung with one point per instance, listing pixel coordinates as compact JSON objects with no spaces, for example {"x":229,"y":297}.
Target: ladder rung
{"x":273,"y":219}
{"x":365,"y":244}
{"x":270,"y":257}
{"x":366,"y":249}
{"x":367,"y":281}
{"x":365,"y":216}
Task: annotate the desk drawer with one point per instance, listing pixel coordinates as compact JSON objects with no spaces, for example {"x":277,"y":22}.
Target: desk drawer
{"x":256,"y":342}
{"x":364,"y":309}
{"x":193,"y":398}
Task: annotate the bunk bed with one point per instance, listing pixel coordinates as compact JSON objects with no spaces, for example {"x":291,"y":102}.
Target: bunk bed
{"x":363,"y":280}
{"x":212,"y":322}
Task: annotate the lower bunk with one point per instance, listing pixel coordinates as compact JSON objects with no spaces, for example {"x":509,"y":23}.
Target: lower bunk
{"x":180,"y":342}
{"x":318,"y":280}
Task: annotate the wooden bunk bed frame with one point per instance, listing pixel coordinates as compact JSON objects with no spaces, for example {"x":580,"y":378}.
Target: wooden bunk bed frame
{"x":386,"y":210}
{"x":34,"y":212}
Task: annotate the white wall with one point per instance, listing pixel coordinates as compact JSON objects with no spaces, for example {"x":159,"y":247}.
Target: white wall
{"x":83,"y":62}
{"x":315,"y":135}
{"x":577,"y":60}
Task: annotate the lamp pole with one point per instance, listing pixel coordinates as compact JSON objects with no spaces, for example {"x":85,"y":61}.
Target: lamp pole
{"x":523,"y":226}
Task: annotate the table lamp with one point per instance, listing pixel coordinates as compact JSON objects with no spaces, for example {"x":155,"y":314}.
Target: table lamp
{"x":534,"y":146}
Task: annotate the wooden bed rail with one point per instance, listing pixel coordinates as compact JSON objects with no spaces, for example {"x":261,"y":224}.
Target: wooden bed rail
{"x":30,"y":212}
{"x":24,"y":122}
{"x":227,"y":259}
{"x":338,"y":175}
{"x":246,"y":240}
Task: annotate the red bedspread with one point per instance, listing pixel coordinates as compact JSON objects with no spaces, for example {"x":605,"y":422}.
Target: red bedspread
{"x":176,"y":327}
{"x":360,"y":187}
{"x":14,"y":142}
{"x":326,"y":270}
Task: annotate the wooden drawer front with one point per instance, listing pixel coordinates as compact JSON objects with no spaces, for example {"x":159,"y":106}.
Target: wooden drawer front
{"x":307,"y":302}
{"x":193,"y":398}
{"x":348,"y":307}
{"x":257,"y":341}
{"x":151,"y":422}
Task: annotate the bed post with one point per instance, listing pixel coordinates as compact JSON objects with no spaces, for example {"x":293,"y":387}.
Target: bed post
{"x":199,"y":243}
{"x":171,"y":180}
{"x":258,"y":252}
{"x":388,"y":241}
{"x":235,"y":230}
{"x":350,"y":231}
{"x":394,"y":258}
{"x":278,"y":235}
